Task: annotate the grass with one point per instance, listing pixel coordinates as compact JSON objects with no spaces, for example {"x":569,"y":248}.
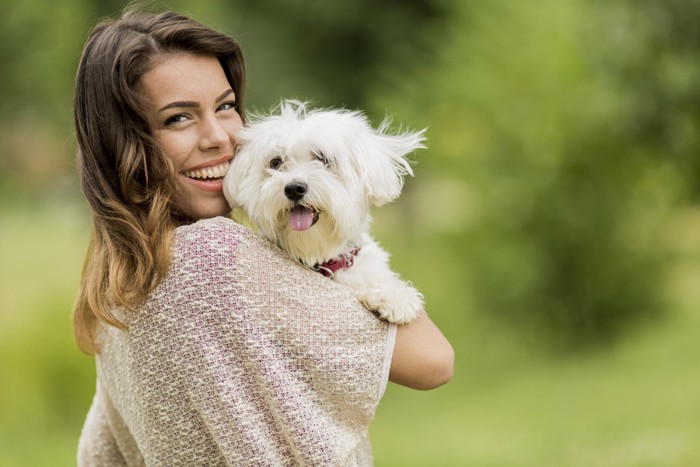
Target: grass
{"x":633,"y":404}
{"x":46,"y":383}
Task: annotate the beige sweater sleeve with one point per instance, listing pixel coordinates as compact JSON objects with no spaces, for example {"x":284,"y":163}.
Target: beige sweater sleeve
{"x":239,"y":357}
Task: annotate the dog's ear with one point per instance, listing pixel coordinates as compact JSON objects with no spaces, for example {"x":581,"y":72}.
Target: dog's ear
{"x":241,"y":179}
{"x":388,"y":165}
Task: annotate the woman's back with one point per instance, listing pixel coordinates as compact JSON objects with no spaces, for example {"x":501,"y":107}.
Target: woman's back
{"x":238,"y":357}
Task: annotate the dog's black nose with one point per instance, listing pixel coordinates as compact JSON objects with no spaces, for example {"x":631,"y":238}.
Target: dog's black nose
{"x":295,"y":190}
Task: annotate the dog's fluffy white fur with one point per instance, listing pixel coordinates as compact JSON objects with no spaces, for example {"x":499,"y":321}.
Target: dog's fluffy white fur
{"x":307,"y":178}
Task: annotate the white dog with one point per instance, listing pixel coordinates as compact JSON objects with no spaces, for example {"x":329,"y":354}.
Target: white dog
{"x":307,"y":179}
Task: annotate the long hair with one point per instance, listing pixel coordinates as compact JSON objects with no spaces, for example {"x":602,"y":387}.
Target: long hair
{"x":127,"y":179}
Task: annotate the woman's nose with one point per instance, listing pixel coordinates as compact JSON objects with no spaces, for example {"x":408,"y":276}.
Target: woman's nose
{"x":214,"y":135}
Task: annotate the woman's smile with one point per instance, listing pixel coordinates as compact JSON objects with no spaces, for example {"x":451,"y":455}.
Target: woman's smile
{"x":208,"y":176}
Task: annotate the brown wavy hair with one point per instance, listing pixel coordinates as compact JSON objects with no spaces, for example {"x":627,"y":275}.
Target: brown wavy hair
{"x":125,"y":176}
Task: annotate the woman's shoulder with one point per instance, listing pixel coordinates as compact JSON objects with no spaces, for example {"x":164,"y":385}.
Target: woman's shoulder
{"x":212,"y":248}
{"x":219,"y":245}
{"x":212,"y":236}
{"x":209,"y":229}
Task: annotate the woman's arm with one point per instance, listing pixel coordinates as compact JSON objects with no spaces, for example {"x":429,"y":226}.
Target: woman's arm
{"x":423,"y":359}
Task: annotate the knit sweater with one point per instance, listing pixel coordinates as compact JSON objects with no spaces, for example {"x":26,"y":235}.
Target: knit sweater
{"x":240,"y":356}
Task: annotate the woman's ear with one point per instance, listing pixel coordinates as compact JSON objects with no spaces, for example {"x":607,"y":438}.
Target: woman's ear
{"x":388,"y":164}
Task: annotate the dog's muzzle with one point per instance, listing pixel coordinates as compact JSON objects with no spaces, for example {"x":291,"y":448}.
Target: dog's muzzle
{"x":295,"y":190}
{"x":300,"y":217}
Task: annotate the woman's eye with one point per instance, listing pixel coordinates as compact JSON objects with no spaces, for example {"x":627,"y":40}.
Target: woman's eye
{"x":178,"y":118}
{"x":276,"y":163}
{"x":227,"y":105}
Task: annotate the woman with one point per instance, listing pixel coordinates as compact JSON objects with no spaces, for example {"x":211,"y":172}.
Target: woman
{"x":212,"y":348}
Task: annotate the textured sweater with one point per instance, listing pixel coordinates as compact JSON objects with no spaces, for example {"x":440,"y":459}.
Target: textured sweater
{"x":239,"y":357}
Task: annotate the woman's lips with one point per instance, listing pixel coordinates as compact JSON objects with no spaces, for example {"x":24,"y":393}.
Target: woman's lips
{"x":207,"y":185}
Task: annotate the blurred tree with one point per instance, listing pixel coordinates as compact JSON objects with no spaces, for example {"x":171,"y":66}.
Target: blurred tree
{"x":328,"y":52}
{"x":571,"y":128}
{"x":39,"y":45}
{"x":653,"y":50}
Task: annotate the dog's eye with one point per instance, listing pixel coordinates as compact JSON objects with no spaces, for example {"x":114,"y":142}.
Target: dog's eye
{"x":276,"y":163}
{"x":321,"y":158}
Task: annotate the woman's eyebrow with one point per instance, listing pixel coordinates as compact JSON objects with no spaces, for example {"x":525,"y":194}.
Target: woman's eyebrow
{"x":172,"y":105}
{"x":224,"y":95}
{"x":192,"y":104}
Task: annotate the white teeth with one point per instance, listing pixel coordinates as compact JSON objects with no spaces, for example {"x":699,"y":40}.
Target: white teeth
{"x":209,"y":172}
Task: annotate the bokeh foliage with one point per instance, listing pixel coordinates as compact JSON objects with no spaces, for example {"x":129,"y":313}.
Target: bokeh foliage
{"x":568,"y":132}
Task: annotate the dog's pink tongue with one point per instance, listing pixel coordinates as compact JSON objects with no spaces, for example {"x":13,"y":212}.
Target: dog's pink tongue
{"x":301,"y":218}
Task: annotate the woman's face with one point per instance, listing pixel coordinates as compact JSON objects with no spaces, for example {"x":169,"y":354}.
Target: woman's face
{"x":190,"y":107}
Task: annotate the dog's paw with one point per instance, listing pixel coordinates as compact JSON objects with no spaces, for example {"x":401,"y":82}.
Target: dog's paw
{"x":396,"y":304}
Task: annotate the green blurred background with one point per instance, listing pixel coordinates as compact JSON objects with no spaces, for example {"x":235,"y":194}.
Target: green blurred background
{"x":552,"y":224}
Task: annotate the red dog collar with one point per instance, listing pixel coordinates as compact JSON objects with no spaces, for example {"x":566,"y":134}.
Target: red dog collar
{"x":344,"y":260}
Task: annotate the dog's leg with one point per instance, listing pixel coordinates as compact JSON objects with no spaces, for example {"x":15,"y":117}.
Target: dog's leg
{"x":379,"y":288}
{"x":395,"y":301}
